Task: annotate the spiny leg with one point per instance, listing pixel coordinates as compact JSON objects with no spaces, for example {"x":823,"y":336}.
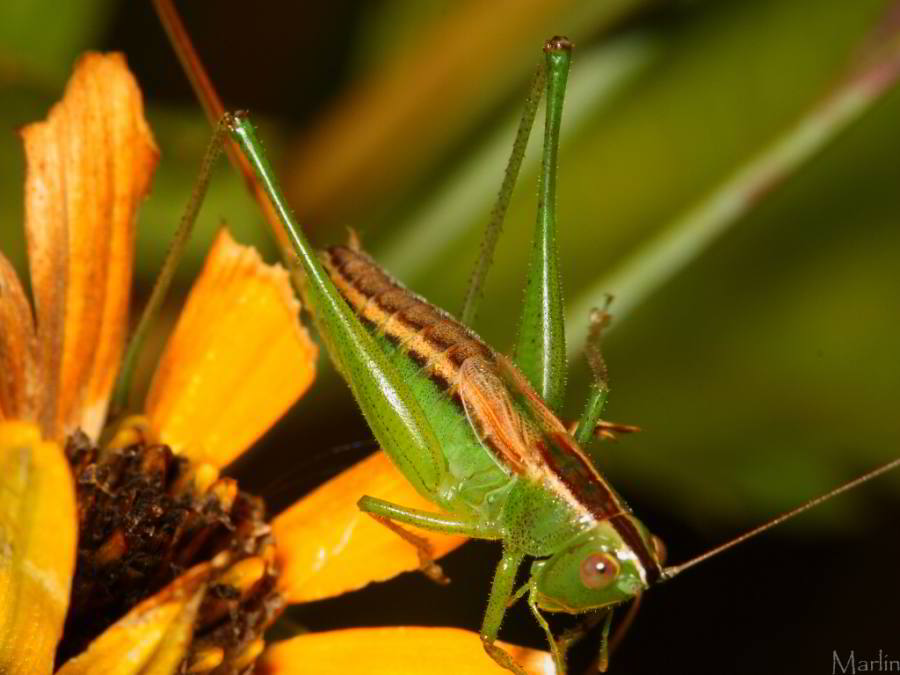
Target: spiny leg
{"x":540,"y":350}
{"x":424,"y":550}
{"x":609,"y":644}
{"x":122,"y":392}
{"x":560,"y":646}
{"x":591,"y":424}
{"x":600,"y":387}
{"x":573,"y":635}
{"x":390,"y":515}
{"x":625,"y":625}
{"x":498,"y":601}
{"x":498,"y":213}
{"x":559,"y":655}
{"x":602,"y":661}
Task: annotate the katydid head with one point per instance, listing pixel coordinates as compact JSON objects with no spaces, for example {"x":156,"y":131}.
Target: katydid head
{"x":598,"y":569}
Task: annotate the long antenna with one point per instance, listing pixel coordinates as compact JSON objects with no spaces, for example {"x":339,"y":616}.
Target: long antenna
{"x":674,"y":570}
{"x":215,"y":111}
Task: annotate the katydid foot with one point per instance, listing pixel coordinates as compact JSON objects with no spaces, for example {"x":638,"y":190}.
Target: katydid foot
{"x":605,"y":430}
{"x":427,"y":565}
{"x":501,"y":656}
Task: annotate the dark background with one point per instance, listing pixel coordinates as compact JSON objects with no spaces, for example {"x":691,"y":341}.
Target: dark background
{"x":763,"y":374}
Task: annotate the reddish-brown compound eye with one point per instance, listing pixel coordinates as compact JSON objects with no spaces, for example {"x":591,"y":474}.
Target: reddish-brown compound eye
{"x":599,"y":570}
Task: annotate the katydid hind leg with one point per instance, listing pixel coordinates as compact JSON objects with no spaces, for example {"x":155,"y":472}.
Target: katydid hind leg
{"x":540,"y":350}
{"x":122,"y":390}
{"x":498,"y":213}
{"x":385,"y":399}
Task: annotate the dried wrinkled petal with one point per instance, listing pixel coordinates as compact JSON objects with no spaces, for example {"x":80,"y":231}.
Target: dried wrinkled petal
{"x":152,"y":638}
{"x":322,"y":557}
{"x":18,"y":364}
{"x":393,"y":651}
{"x":88,"y":165}
{"x":236,"y":361}
{"x":37,"y":548}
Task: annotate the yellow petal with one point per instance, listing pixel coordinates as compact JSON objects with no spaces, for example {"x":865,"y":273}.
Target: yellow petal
{"x":18,"y":375}
{"x":237,"y":360}
{"x":327,"y":546}
{"x":88,"y":165}
{"x":37,"y":548}
{"x":152,"y":638}
{"x":393,"y":651}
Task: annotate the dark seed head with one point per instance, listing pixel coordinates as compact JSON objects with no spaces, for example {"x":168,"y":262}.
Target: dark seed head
{"x":145,"y":516}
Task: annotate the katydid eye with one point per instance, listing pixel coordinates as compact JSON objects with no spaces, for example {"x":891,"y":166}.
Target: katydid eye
{"x":599,"y":570}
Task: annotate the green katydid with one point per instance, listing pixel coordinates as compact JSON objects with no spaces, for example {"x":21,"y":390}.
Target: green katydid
{"x":476,"y":433}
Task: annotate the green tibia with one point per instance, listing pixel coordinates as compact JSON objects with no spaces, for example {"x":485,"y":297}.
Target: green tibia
{"x":541,"y":346}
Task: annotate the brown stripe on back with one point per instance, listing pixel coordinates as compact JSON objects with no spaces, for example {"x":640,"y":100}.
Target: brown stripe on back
{"x":428,"y":334}
{"x":415,"y":313}
{"x":431,"y":337}
{"x":356,"y":270}
{"x":445,"y":334}
{"x":461,"y":351}
{"x":579,"y":476}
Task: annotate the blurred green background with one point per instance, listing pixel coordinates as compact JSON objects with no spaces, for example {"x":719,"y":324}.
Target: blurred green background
{"x":762,"y":367}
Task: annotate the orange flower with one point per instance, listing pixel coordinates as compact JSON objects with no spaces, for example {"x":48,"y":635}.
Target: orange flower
{"x":149,"y":561}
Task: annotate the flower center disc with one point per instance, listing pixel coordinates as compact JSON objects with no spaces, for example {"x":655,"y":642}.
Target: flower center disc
{"x":145,"y":516}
